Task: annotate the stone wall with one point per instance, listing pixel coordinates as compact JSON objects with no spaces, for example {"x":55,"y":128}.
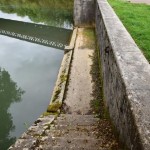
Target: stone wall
{"x":84,"y":12}
{"x":126,"y":78}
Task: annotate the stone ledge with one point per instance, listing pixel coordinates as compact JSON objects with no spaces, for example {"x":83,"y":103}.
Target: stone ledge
{"x":126,"y":75}
{"x":60,"y":86}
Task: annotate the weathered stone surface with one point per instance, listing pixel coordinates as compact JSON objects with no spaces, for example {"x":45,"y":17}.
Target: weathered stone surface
{"x":77,"y":142}
{"x":84,"y":12}
{"x":139,"y":102}
{"x":78,"y":148}
{"x":34,"y":135}
{"x":78,"y":132}
{"x":24,"y":144}
{"x":77,"y":120}
{"x":60,"y":85}
{"x":126,"y":78}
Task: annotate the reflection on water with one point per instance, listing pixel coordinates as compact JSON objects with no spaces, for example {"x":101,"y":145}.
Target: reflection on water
{"x":27,"y":65}
{"x":51,"y":12}
{"x":9,"y":93}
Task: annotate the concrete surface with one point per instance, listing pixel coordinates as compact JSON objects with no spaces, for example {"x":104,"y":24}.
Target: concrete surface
{"x":79,"y":91}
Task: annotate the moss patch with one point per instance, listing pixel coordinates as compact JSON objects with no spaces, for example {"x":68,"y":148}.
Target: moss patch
{"x":49,"y":113}
{"x":57,"y":92}
{"x":63,"y":78}
{"x":54,"y":107}
{"x":46,"y":114}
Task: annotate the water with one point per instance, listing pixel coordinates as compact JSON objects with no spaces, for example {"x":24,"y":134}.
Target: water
{"x":29,"y":66}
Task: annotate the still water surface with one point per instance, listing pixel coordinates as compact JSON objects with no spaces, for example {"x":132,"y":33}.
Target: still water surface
{"x":28,"y":71}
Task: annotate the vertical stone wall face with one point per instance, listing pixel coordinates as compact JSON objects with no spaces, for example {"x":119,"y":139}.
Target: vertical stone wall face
{"x":126,"y":79}
{"x":84,"y":12}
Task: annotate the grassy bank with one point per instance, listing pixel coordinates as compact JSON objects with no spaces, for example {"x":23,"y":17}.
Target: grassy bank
{"x":136,"y":18}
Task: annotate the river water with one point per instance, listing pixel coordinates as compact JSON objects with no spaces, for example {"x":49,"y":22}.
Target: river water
{"x":29,"y":67}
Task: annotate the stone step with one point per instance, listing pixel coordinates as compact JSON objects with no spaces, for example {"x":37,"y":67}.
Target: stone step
{"x":56,"y":143}
{"x":81,"y":120}
{"x":72,"y":127}
{"x":76,"y":142}
{"x":76,"y":116}
{"x":77,"y":148}
{"x":74,"y":131}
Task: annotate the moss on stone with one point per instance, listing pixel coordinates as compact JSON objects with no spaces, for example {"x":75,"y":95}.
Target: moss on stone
{"x":54,"y":107}
{"x":63,"y":78}
{"x":46,"y":113}
{"x":57,"y":92}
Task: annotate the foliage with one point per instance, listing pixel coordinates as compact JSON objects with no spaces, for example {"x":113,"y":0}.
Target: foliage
{"x":136,"y":18}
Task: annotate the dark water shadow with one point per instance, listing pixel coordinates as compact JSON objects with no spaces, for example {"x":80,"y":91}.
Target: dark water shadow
{"x":9,"y":93}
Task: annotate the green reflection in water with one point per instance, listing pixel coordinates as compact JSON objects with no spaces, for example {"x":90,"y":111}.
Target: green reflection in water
{"x":51,"y":12}
{"x":9,"y":93}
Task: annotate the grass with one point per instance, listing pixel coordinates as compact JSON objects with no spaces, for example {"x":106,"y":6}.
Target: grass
{"x":136,"y":18}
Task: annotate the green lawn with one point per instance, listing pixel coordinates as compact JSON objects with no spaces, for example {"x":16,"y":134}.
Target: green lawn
{"x":136,"y":18}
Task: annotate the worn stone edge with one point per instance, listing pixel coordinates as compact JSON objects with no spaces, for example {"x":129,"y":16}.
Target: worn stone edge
{"x":60,"y":86}
{"x":72,"y":42}
{"x":36,"y":133}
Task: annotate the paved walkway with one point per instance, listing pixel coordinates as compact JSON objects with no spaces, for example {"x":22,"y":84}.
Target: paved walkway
{"x":141,"y":1}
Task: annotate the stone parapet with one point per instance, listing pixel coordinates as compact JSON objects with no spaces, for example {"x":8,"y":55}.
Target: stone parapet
{"x":126,"y":79}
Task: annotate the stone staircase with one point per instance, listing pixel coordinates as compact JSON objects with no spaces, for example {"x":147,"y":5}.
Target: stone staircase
{"x":76,"y":132}
{"x":68,"y":132}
